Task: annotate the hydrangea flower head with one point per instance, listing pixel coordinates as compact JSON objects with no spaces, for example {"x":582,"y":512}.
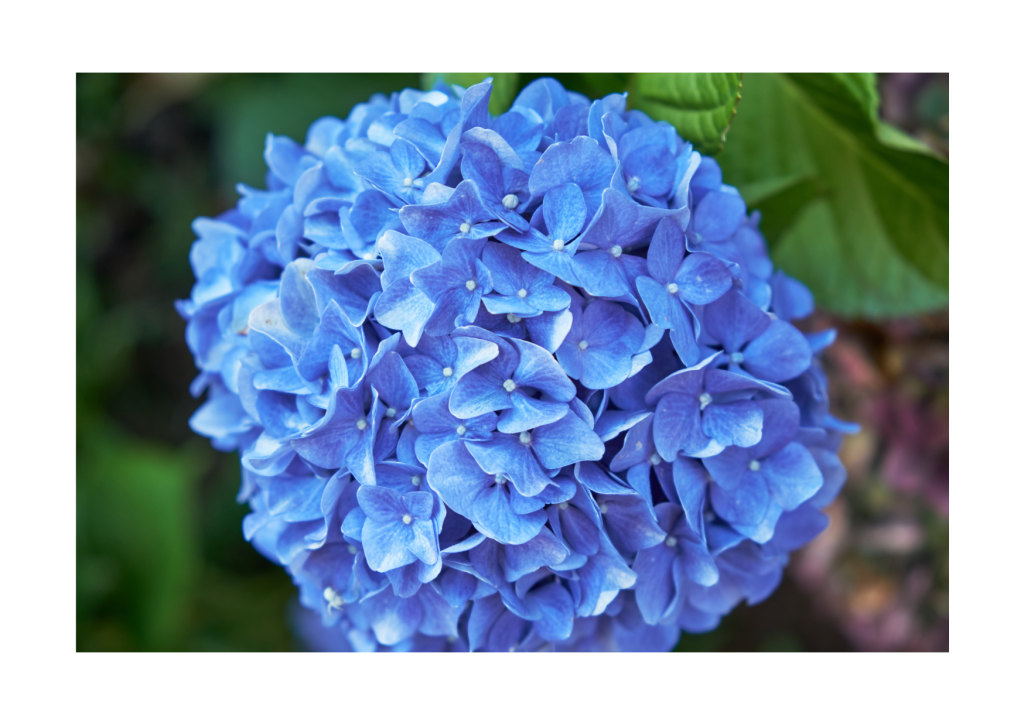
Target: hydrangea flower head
{"x":525,"y":382}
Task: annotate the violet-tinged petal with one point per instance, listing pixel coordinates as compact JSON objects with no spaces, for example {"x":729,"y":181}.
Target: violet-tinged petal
{"x":779,"y":354}
{"x":792,"y":475}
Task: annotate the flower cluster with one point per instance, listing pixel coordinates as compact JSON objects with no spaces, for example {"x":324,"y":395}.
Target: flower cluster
{"x":510,"y":383}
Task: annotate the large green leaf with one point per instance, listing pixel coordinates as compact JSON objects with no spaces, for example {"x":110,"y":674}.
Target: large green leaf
{"x":700,"y":105}
{"x":503,"y":91}
{"x":853,"y":207}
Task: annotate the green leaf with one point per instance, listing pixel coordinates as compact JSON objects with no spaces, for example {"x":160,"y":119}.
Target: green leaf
{"x":700,"y":105}
{"x":137,"y":527}
{"x":852,"y":206}
{"x":503,"y":92}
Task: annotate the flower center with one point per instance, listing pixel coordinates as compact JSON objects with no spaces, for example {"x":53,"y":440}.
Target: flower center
{"x":500,"y":479}
{"x":407,"y":182}
{"x":633,"y":184}
{"x":755,"y":465}
{"x":460,"y":430}
{"x":654,"y":460}
{"x":522,"y":292}
{"x":471,"y":284}
{"x":563,"y":506}
{"x":352,"y":549}
{"x":465,"y":227}
{"x":513,"y":318}
{"x":407,"y":518}
{"x":524,"y":438}
{"x":391,"y":413}
{"x":333,"y":598}
{"x":615,"y":251}
{"x":670,"y":541}
{"x":603,"y":507}
{"x":509,"y":385}
{"x":558,"y":245}
{"x":448,"y":372}
{"x":583,"y":345}
{"x":361,"y":424}
{"x":417,"y":480}
{"x":356,"y":353}
{"x":672,"y":288}
{"x":511,"y":201}
{"x":736,"y":358}
{"x":705,"y":399}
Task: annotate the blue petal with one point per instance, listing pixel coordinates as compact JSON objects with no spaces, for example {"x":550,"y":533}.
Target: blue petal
{"x":792,"y":475}
{"x":565,"y":211}
{"x":744,"y":504}
{"x":555,"y":608}
{"x":630,"y":522}
{"x":543,"y":550}
{"x":566,"y":442}
{"x":480,"y":391}
{"x":733,"y":320}
{"x":780,"y":353}
{"x":703,"y":278}
{"x":654,"y":589}
{"x":718,"y":215}
{"x":538,"y":369}
{"x":404,"y":307}
{"x":505,"y":454}
{"x":386,"y":544}
{"x":493,"y":515}
{"x":403,"y":255}
{"x":734,"y":424}
{"x":528,"y":413}
{"x":582,"y":162}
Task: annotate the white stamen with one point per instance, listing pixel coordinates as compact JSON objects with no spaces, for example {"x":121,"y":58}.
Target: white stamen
{"x":391,"y":413}
{"x":615,"y":251}
{"x":755,"y":465}
{"x":705,"y":400}
{"x":417,"y":480}
{"x":471,"y":284}
{"x":524,"y":438}
{"x":361,"y":424}
{"x":369,"y":256}
{"x":558,"y":245}
{"x":563,"y":505}
{"x":352,"y":549}
{"x":460,"y":430}
{"x":583,"y":345}
{"x":407,"y":182}
{"x":670,"y":541}
{"x":511,"y":201}
{"x":672,"y":288}
{"x":500,"y":479}
{"x":654,"y":460}
{"x":356,"y":353}
{"x":333,"y":599}
{"x":603,"y":508}
{"x":407,"y":518}
{"x":465,"y":227}
{"x":509,"y":385}
{"x":522,"y":293}
{"x":513,"y":318}
{"x":447,"y":372}
{"x":633,"y":184}
{"x":736,"y":358}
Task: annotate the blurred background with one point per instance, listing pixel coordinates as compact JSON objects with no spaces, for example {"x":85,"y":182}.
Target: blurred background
{"x":161,"y":561}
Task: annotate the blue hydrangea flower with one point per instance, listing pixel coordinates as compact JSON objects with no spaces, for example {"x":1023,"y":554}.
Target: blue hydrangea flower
{"x":437,"y":341}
